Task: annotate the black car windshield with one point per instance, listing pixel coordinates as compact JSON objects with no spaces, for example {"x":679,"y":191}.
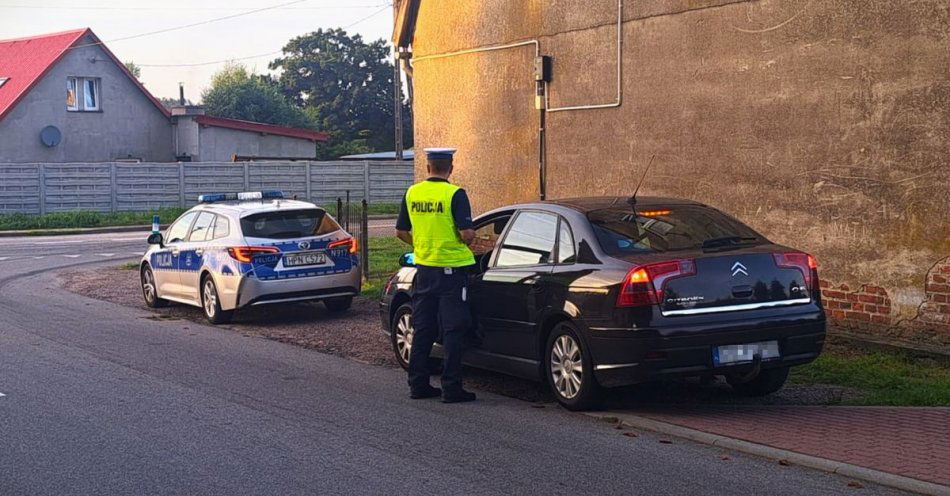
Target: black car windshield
{"x":284,"y":224}
{"x":653,"y":229}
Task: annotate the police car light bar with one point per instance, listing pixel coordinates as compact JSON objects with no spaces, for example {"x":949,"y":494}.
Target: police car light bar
{"x":247,"y":195}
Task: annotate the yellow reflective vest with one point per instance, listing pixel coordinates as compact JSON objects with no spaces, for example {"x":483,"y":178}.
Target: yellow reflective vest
{"x":435,"y":238}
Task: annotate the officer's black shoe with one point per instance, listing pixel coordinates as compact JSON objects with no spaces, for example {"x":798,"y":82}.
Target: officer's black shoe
{"x":460,"y":396}
{"x":422,"y":394}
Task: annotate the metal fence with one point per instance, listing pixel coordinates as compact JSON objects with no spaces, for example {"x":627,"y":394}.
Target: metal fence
{"x":117,"y":187}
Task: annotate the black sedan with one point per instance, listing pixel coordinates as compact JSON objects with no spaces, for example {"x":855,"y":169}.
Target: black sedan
{"x":593,"y":293}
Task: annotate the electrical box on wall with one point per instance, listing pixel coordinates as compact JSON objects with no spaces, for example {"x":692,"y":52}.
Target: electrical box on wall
{"x":542,"y":68}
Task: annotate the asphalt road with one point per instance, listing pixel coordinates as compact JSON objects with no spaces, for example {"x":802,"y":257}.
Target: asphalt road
{"x":102,"y":399}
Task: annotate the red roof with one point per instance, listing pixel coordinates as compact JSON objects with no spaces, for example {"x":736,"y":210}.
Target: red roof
{"x":26,"y":60}
{"x":258,"y":127}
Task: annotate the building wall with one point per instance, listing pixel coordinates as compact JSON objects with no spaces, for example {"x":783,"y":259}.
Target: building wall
{"x":825,"y":125}
{"x":218,"y":144}
{"x":128,"y":125}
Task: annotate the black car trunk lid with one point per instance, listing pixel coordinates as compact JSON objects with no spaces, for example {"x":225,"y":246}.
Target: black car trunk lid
{"x":733,"y":281}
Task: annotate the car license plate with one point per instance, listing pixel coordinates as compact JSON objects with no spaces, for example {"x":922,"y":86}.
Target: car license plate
{"x":735,"y":353}
{"x":305,"y":258}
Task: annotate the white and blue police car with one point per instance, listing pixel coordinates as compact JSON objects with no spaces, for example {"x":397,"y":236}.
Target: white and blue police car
{"x":236,"y":250}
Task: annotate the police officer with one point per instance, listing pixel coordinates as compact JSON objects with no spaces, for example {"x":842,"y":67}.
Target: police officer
{"x":436,"y":219}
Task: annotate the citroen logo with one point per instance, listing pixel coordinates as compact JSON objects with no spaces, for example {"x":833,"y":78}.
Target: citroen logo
{"x":304,"y":245}
{"x":738,"y":268}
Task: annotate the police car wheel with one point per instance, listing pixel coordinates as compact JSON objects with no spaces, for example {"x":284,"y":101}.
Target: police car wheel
{"x":212,"y":305}
{"x":150,"y":289}
{"x":569,"y":370}
{"x":338,"y":304}
{"x":401,"y":334}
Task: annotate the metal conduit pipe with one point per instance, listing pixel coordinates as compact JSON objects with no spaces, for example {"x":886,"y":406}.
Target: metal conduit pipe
{"x":542,"y":161}
{"x":619,"y":99}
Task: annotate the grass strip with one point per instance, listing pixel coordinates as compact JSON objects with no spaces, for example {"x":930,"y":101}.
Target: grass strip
{"x":82,"y":218}
{"x":880,"y":377}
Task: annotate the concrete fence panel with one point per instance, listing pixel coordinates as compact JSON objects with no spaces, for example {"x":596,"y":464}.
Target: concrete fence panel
{"x":111,"y":187}
{"x":20,"y":189}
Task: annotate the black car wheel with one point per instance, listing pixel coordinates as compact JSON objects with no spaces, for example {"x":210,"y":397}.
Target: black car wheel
{"x":212,"y":305}
{"x":150,"y":289}
{"x":766,"y":382}
{"x":401,"y":333}
{"x":570,"y":371}
{"x":338,"y":304}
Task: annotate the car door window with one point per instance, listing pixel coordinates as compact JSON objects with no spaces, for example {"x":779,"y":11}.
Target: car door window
{"x":566,"y":254}
{"x":222,"y":228}
{"x":486,"y":236}
{"x":530,"y":240}
{"x":179,"y":230}
{"x":202,"y":227}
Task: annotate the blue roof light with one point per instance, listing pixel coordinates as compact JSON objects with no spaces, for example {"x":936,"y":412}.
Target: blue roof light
{"x":247,"y":195}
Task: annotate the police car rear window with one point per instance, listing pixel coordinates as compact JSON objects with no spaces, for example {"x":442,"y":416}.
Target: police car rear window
{"x":661,"y":229}
{"x":285,"y":224}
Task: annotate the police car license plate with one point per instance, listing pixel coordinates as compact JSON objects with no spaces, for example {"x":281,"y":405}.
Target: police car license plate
{"x":735,"y":353}
{"x":305,"y":258}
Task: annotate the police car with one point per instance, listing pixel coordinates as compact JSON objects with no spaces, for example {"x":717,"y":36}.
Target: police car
{"x":237,"y":250}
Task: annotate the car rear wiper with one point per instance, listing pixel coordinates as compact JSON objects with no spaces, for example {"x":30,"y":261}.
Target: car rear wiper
{"x":728,"y":241}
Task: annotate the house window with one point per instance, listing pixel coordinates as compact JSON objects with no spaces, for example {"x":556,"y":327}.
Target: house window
{"x":82,"y":94}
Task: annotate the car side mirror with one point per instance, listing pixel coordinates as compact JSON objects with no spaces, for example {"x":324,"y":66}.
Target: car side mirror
{"x":407,"y":260}
{"x":156,"y":239}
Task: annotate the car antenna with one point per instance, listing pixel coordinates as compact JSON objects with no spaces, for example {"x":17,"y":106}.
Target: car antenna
{"x":633,"y":199}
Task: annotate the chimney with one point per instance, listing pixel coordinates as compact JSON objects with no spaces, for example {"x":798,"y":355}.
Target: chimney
{"x":181,"y":94}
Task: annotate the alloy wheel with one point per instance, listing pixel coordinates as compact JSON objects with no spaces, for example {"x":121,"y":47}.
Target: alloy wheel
{"x":404,"y":334}
{"x":210,"y":299}
{"x":148,"y":285}
{"x":567,"y":367}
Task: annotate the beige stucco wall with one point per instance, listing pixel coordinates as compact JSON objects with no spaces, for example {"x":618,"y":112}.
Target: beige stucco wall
{"x":824,"y":124}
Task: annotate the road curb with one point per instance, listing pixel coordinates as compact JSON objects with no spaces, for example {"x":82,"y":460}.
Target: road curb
{"x":817,"y":463}
{"x":81,"y":230}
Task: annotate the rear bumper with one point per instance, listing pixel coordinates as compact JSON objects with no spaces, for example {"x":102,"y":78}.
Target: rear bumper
{"x":253,"y":291}
{"x":632,"y":356}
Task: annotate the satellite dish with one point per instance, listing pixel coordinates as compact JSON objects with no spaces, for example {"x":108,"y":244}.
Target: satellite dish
{"x":51,"y":136}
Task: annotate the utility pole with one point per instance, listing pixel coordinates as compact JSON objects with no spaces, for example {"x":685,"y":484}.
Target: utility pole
{"x":397,"y":101}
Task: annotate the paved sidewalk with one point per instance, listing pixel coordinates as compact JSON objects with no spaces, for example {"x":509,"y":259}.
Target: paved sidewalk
{"x":911,"y":442}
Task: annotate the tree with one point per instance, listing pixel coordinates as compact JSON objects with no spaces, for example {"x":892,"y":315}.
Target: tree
{"x":134,"y":69}
{"x":239,"y":94}
{"x":347,"y":86}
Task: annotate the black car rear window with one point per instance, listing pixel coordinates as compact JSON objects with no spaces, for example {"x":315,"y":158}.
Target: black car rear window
{"x":285,"y":224}
{"x":656,"y":229}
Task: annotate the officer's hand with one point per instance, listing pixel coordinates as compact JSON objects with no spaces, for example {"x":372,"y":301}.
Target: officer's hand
{"x":468,"y":235}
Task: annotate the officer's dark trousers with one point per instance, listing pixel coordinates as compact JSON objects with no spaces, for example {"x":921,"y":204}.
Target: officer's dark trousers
{"x":437,"y":304}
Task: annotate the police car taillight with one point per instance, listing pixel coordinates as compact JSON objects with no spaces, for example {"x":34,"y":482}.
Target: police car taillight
{"x":245,"y":254}
{"x":349,"y":243}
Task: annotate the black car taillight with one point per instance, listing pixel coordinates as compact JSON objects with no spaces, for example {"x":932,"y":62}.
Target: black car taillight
{"x":804,"y":262}
{"x":643,"y":285}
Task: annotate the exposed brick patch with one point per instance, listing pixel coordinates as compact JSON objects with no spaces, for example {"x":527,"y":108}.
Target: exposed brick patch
{"x":869,"y":304}
{"x":936,"y":307}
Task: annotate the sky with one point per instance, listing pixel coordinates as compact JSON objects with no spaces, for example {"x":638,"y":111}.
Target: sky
{"x":236,"y":38}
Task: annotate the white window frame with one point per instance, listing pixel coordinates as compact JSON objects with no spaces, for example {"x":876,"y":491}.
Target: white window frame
{"x":95,"y":94}
{"x":75,"y":87}
{"x":81,"y":84}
